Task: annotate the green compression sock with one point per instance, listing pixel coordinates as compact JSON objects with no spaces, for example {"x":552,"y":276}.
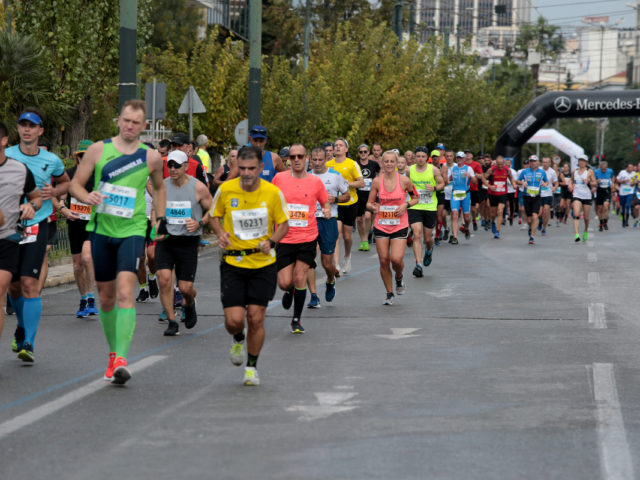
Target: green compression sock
{"x":108,"y":320}
{"x":125,"y":324}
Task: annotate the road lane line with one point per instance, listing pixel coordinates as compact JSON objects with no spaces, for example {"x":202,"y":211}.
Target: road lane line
{"x":597,"y":316}
{"x":615,"y":457}
{"x":593,"y":279}
{"x":53,"y":406}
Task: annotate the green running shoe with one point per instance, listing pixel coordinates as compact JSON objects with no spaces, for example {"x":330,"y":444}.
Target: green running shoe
{"x":251,"y":378}
{"x":585,"y":236}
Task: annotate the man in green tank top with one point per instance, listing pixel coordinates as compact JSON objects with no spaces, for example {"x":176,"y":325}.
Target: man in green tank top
{"x":118,"y":225}
{"x":423,"y":215}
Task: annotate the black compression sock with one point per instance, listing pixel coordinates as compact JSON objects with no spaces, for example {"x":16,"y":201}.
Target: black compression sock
{"x":299,"y":297}
{"x":252,"y":360}
{"x":239,"y":337}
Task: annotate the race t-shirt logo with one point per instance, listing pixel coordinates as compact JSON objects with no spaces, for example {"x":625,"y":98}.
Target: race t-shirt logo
{"x":234,"y":202}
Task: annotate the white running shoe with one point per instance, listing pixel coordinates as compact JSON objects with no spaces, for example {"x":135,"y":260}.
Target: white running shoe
{"x":237,"y":353}
{"x":251,"y":378}
{"x":346,"y":266}
{"x":401,"y":288}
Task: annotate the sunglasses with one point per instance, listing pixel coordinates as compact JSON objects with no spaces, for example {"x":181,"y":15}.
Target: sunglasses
{"x":298,"y":157}
{"x":363,"y":151}
{"x":174,"y":165}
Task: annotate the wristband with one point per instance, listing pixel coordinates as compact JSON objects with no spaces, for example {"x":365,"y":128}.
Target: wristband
{"x":201,"y":223}
{"x":272,"y":243}
{"x":34,"y":206}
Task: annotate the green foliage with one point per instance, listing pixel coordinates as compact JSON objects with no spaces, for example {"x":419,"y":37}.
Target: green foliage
{"x":282,"y":28}
{"x":542,"y":37}
{"x":175,"y":23}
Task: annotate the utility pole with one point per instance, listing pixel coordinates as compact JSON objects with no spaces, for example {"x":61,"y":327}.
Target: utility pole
{"x":601,"y":49}
{"x":396,"y":21}
{"x":127,"y":81}
{"x":255,"y":60}
{"x":8,"y":15}
{"x":307,"y":33}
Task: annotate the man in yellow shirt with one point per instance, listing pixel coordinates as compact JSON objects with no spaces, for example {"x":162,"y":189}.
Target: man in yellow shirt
{"x":202,"y":142}
{"x":347,"y":211}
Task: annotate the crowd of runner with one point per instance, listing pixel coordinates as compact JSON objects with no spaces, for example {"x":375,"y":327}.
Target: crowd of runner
{"x":135,"y":214}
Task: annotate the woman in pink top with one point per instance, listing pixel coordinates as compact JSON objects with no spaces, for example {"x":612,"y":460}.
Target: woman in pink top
{"x":388,"y":201}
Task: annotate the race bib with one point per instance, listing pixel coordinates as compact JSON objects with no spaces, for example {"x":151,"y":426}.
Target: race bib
{"x":545,"y":191}
{"x":604,"y":183}
{"x":30,"y":234}
{"x":120,"y":201}
{"x":626,"y":190}
{"x":298,"y":215}
{"x":177,"y":213}
{"x":250,"y":224}
{"x":501,"y":187}
{"x":367,"y":184}
{"x":386,"y":215}
{"x":82,"y":210}
{"x":533,"y":191}
{"x":459,"y":194}
{"x":638,"y":195}
{"x":426,"y":197}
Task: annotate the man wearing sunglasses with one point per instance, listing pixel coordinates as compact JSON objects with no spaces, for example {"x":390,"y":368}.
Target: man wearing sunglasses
{"x":187,"y":200}
{"x":180,"y":141}
{"x":370,"y":170}
{"x":272,"y":163}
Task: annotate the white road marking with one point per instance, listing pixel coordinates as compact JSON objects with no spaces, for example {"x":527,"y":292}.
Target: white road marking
{"x":38,"y":413}
{"x":593,"y":279}
{"x":397,"y":333}
{"x":597,"y":316}
{"x":592,"y":257}
{"x":615,"y":457}
{"x":329,"y":403}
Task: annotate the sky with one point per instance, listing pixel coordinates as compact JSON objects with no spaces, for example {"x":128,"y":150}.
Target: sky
{"x":568,"y":13}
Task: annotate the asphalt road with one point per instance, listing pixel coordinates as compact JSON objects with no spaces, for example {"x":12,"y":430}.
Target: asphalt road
{"x":504,"y":362}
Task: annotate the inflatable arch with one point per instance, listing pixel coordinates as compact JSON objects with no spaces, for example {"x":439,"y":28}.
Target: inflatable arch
{"x":562,"y":143}
{"x":573,"y":104}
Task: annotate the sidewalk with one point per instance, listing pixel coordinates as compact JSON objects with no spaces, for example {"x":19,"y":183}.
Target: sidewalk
{"x":62,"y":274}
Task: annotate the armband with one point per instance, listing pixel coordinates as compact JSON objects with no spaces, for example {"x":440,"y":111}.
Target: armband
{"x":272,"y":243}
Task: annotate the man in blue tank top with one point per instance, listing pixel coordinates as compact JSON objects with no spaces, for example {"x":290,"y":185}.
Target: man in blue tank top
{"x":272,"y":163}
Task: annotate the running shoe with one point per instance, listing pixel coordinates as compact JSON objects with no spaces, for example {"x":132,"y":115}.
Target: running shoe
{"x":91,"y":306}
{"x":544,"y":232}
{"x":436,"y":242}
{"x":511,"y":222}
{"x":121,"y":373}
{"x":606,"y":224}
{"x":178,"y":299}
{"x":204,"y":243}
{"x":401,"y":288}
{"x":251,"y":378}
{"x":26,"y":353}
{"x":236,"y":355}
{"x":585,"y":236}
{"x":17,"y":340}
{"x":496,"y":235}
{"x":467,"y":234}
{"x":601,"y":228}
{"x":179,"y":313}
{"x":143,"y":296}
{"x":445,"y":235}
{"x":475,"y":226}
{"x":108,"y":374}
{"x":330,"y":291}
{"x":454,"y":241}
{"x":82,"y":309}
{"x":190,"y":315}
{"x":365,"y":246}
{"x":163,"y":316}
{"x":8,"y":307}
{"x":173,"y":329}
{"x":287,"y":299}
{"x":532,"y":241}
{"x":494,"y":229}
{"x":389,"y":299}
{"x":417,"y":272}
{"x":539,"y":227}
{"x":576,"y":238}
{"x":361,"y":247}
{"x":296,"y":327}
{"x":346,"y":265}
{"x":314,"y":302}
{"x":153,"y":288}
{"x":428,"y":257}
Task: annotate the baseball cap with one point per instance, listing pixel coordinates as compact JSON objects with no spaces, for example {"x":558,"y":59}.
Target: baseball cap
{"x":440,"y":146}
{"x":435,"y":153}
{"x":258,"y":131}
{"x":180,"y":138}
{"x":583,"y":157}
{"x":533,"y":158}
{"x":31,"y":117}
{"x":468,"y":151}
{"x":421,"y":149}
{"x":177,"y":156}
{"x":284,"y":152}
{"x":460,"y":155}
{"x":83,"y":145}
{"x":327,"y":144}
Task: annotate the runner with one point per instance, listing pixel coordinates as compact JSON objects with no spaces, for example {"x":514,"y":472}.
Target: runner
{"x":532,"y":179}
{"x":25,"y":290}
{"x":271,"y":161}
{"x":512,"y":201}
{"x":376,"y":150}
{"x":583,"y":185}
{"x":249,"y":209}
{"x":296,"y":251}
{"x":423,"y":215}
{"x":402,"y":166}
{"x":370,"y":170}
{"x":605,"y":179}
{"x":625,"y":190}
{"x":118,"y":224}
{"x":16,"y":182}
{"x":462,"y":176}
{"x":187,"y":199}
{"x":546,"y":194}
{"x":338,"y":191}
{"x":476,"y":191}
{"x":227,"y":171}
{"x":497,"y":178}
{"x":78,"y":215}
{"x":565,"y":202}
{"x":328,"y":150}
{"x":388,"y":201}
{"x":202,"y":153}
{"x":347,"y":211}
{"x":444,"y":207}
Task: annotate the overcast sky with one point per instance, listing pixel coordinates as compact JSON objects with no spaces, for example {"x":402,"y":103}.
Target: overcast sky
{"x":568,"y":13}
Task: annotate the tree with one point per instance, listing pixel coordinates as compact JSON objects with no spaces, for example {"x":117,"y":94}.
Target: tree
{"x":568,"y":81}
{"x":176,"y":23}
{"x":544,"y":38}
{"x":282,"y":28}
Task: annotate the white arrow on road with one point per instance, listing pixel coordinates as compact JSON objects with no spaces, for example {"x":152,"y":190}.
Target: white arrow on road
{"x":397,"y":333}
{"x":328,"y":404}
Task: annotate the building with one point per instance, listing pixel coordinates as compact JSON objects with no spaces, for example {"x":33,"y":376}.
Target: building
{"x":481,"y":22}
{"x":231,"y":15}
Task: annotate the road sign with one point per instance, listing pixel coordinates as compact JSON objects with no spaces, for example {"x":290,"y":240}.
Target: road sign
{"x":156,"y":105}
{"x":191,"y":104}
{"x":242,"y":132}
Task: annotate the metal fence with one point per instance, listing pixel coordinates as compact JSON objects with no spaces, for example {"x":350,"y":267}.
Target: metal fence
{"x":61,"y":247}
